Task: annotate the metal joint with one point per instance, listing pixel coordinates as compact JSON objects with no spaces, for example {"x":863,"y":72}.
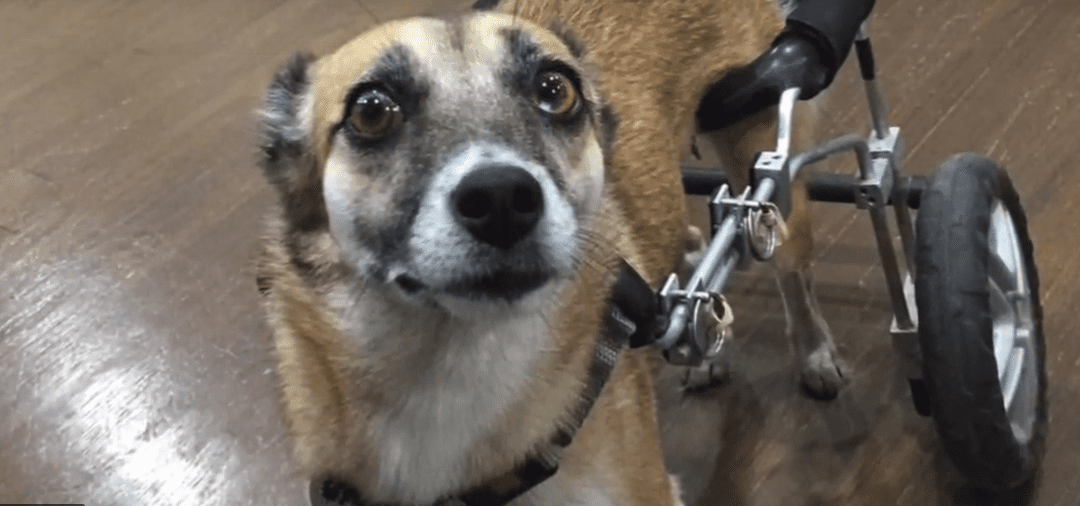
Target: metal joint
{"x":706,"y":331}
{"x":874,"y":190}
{"x":674,"y":301}
{"x":724,"y":204}
{"x":889,"y":148}
{"x":878,"y":179}
{"x":773,"y":165}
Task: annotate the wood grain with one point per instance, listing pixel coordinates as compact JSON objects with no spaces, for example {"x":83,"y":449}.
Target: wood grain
{"x":134,"y":368}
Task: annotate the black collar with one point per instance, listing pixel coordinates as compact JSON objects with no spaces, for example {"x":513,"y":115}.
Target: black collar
{"x":634,"y":319}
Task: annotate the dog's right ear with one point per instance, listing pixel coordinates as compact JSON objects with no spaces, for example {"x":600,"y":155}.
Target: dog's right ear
{"x":286,"y":144}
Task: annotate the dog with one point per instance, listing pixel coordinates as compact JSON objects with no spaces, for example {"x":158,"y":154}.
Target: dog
{"x":457,"y":197}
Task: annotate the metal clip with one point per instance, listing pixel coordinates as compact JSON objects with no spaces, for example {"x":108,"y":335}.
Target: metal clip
{"x":766,"y":230}
{"x":709,"y":329}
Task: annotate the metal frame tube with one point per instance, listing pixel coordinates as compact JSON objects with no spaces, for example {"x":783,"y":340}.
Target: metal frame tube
{"x":890,"y":265}
{"x":719,"y":282}
{"x":722,"y":241}
{"x":784,"y":120}
{"x":879,"y":113}
{"x":832,"y":147}
{"x":907,"y":233}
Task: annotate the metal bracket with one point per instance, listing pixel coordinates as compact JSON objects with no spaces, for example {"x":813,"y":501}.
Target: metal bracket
{"x":875,"y":188}
{"x":707,"y":330}
{"x":684,"y":351}
{"x":906,"y":339}
{"x":723,"y":204}
{"x":773,"y":165}
{"x":892,"y":146}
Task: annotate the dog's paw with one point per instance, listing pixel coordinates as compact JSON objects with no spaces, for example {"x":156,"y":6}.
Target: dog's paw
{"x":822,"y":374}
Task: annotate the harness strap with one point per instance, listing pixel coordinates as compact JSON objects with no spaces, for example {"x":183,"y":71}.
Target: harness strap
{"x":632,"y":320}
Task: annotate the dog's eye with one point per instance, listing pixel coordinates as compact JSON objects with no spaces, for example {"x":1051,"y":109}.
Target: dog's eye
{"x":374,"y":114}
{"x":556,"y":94}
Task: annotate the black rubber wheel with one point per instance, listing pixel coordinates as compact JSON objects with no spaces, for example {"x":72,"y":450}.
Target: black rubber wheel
{"x":920,"y":397}
{"x":980,"y":323}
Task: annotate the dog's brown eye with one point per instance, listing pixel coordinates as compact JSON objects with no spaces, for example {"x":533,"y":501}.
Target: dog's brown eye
{"x":374,"y":114}
{"x":555,"y":94}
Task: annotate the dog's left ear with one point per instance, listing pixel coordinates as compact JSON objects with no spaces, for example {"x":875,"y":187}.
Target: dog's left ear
{"x":286,"y":145}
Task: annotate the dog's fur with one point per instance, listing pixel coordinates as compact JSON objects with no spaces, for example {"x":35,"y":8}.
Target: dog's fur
{"x":399,"y":375}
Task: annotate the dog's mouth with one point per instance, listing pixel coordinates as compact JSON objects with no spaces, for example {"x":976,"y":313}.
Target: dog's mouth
{"x":506,"y":284}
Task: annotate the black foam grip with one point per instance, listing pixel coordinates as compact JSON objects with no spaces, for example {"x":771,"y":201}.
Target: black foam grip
{"x":866,"y":59}
{"x":834,"y":22}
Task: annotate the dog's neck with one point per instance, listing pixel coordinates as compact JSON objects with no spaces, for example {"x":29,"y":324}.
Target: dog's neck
{"x":618,"y":331}
{"x":448,"y":387}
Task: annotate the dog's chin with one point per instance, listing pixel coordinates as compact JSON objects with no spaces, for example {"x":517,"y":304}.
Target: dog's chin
{"x":483,"y":296}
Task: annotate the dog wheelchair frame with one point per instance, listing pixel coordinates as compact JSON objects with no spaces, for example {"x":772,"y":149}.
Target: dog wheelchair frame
{"x":964,"y":288}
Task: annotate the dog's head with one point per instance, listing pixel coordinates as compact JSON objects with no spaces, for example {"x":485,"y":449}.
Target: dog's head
{"x":454,"y":162}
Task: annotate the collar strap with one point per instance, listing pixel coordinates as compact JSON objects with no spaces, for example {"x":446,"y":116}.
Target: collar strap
{"x":632,"y":320}
{"x":636,"y":300}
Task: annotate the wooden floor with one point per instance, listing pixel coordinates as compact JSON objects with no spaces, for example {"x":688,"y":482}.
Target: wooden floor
{"x":134,"y":369}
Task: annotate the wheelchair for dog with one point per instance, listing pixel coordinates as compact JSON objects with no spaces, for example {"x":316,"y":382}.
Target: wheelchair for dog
{"x":964,"y":288}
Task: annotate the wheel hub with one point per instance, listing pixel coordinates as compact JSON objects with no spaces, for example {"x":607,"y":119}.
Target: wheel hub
{"x":1014,"y":327}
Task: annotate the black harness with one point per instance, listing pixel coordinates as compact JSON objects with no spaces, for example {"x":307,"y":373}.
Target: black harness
{"x":633,"y":320}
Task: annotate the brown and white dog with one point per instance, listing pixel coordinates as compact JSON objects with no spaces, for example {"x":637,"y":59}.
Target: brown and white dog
{"x":456,"y":195}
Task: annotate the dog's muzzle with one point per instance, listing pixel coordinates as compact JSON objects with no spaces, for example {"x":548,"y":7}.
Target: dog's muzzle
{"x":498,"y":204}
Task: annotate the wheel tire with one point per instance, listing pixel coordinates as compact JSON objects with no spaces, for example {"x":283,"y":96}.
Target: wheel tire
{"x":920,"y":397}
{"x":956,"y":327}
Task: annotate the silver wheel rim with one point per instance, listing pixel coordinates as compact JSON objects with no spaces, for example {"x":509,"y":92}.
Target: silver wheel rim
{"x":1014,"y":325}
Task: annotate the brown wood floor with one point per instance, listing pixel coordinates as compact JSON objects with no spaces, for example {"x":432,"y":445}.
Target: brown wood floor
{"x":134,"y":369}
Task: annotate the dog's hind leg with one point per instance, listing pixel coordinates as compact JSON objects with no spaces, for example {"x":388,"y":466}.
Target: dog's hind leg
{"x":821,"y":371}
{"x":820,"y":367}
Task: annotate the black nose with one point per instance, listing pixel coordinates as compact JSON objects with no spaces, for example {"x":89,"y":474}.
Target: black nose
{"x":498,"y":204}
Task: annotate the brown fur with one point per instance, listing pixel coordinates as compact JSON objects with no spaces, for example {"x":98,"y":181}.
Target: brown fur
{"x":655,"y":60}
{"x":328,"y":408}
